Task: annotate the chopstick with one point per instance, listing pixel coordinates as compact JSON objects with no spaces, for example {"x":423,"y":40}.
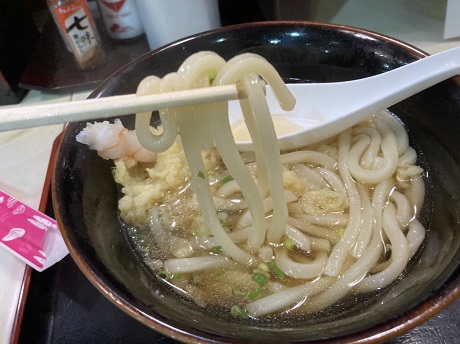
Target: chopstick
{"x":21,"y":117}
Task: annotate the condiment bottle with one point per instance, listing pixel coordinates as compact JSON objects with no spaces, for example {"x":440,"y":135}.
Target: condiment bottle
{"x":122,"y":19}
{"x":168,"y":20}
{"x":78,"y":30}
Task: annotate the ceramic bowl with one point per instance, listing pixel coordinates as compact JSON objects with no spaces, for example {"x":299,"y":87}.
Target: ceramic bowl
{"x":85,"y":195}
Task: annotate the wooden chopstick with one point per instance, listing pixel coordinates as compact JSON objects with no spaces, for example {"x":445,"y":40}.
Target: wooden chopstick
{"x":20,"y":117}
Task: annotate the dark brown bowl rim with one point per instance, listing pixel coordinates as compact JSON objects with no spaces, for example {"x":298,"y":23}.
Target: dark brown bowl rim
{"x":432,"y":305}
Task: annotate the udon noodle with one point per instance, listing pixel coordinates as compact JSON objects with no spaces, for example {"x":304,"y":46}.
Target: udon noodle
{"x":265,"y":232}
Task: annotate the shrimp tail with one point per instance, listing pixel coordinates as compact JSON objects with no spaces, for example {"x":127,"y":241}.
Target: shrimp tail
{"x":113,"y":141}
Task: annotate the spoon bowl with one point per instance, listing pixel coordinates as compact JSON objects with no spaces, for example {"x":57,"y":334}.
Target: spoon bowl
{"x":325,"y":109}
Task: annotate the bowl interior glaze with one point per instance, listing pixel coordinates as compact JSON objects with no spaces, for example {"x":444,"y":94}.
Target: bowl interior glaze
{"x":85,"y":195}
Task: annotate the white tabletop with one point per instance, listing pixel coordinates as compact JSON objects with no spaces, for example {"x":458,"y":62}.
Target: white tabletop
{"x":420,"y":23}
{"x":24,"y":157}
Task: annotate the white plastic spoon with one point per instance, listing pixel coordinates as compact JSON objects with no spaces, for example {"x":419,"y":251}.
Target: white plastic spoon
{"x":322,"y":109}
{"x":325,"y":109}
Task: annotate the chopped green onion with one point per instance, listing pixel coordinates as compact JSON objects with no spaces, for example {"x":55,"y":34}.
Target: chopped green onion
{"x":289,"y":244}
{"x":201,"y":175}
{"x":239,"y":312}
{"x":162,"y":274}
{"x":212,"y":75}
{"x":256,"y":292}
{"x":276,"y":270}
{"x":227,"y":179}
{"x":216,"y":249}
{"x":262,"y":269}
{"x":259,"y":279}
{"x":341,"y":231}
{"x":239,"y":292}
{"x":175,"y":276}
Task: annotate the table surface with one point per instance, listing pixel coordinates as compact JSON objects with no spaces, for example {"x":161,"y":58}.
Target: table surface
{"x":64,"y":307}
{"x":25,"y":153}
{"x":52,"y":55}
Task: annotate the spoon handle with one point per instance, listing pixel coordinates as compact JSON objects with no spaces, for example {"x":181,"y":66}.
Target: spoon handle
{"x":389,"y":88}
{"x":340,"y":105}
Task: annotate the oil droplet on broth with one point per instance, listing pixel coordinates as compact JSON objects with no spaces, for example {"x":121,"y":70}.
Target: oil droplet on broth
{"x":282,"y":127}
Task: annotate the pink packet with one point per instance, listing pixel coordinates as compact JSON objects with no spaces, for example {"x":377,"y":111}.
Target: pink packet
{"x":29,"y":234}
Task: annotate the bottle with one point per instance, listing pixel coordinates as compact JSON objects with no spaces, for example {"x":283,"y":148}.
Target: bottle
{"x":78,"y":30}
{"x":168,"y":20}
{"x":122,"y":19}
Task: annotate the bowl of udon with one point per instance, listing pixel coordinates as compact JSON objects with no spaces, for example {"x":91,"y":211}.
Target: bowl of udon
{"x":354,"y":238}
